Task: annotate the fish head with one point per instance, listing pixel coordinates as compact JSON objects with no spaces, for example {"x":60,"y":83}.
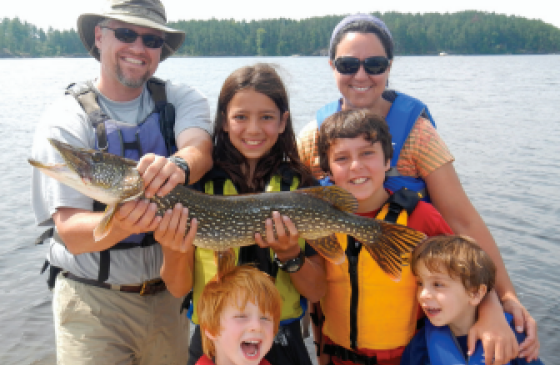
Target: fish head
{"x":104,"y":177}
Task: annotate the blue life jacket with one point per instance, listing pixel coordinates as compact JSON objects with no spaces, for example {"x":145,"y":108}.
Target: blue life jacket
{"x":404,"y":112}
{"x":443,"y":348}
{"x":154,"y":135}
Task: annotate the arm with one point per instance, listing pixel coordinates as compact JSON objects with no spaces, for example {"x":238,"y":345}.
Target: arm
{"x":310,"y":280}
{"x":178,"y":250}
{"x":450,"y":199}
{"x":75,"y":226}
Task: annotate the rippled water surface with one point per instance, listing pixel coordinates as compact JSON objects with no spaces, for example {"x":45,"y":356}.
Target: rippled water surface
{"x":500,"y":115}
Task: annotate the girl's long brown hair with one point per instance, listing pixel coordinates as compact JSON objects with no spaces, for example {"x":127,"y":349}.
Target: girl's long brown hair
{"x":263,"y":79}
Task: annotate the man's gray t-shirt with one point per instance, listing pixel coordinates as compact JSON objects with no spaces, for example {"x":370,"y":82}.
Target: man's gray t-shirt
{"x":66,"y":121}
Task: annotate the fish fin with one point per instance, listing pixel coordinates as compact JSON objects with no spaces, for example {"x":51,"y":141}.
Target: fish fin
{"x":104,"y":227}
{"x":390,"y":245}
{"x":225,"y":261}
{"x":329,"y":248}
{"x":339,"y":197}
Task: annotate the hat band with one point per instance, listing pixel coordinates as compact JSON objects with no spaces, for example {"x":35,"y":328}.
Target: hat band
{"x":138,"y":12}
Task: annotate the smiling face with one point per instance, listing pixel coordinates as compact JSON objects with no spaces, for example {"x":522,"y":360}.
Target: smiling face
{"x":359,"y":166}
{"x":246,"y":335}
{"x":253,"y":123}
{"x":127,"y":65}
{"x":446,"y":301}
{"x":361,"y":90}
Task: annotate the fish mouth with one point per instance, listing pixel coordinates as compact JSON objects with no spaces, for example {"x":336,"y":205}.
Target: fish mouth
{"x":79,"y":160}
{"x":101,"y":176}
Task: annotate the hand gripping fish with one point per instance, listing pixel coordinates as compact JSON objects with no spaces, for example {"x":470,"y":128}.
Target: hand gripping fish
{"x":231,"y":221}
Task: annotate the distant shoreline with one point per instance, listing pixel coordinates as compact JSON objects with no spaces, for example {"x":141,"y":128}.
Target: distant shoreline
{"x":10,"y":56}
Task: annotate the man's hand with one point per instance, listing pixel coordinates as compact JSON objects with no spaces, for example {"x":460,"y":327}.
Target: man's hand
{"x":137,"y":216}
{"x":160,"y":175}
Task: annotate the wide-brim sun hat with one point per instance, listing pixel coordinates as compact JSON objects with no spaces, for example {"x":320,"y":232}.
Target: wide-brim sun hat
{"x":144,"y":13}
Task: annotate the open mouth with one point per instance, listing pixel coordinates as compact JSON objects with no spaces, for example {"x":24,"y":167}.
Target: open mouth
{"x":430,"y":312}
{"x":251,"y":349}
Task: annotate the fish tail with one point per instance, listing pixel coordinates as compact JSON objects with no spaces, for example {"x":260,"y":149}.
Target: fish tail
{"x":390,"y":244}
{"x":225,"y":261}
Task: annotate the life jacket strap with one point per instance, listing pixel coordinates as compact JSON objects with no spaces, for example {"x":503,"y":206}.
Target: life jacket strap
{"x":347,"y":355}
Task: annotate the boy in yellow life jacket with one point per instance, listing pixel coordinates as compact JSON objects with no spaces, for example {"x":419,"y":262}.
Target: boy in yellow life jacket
{"x":368,"y":317}
{"x":239,"y":314}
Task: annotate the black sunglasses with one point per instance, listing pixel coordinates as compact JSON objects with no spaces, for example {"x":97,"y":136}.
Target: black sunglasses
{"x":350,"y":65}
{"x":126,"y":35}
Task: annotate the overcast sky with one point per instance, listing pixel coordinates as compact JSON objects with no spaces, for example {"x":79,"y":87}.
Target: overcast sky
{"x":62,"y":14}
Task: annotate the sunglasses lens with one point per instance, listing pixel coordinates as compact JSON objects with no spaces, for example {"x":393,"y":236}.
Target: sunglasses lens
{"x":125,"y":35}
{"x":347,"y":65}
{"x":152,"y":41}
{"x":376,"y":65}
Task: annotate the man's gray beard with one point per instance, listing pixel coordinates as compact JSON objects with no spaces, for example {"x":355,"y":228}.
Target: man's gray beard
{"x":132,"y":83}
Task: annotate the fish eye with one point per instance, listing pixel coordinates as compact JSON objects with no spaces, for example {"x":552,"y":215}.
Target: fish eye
{"x":96,"y":157}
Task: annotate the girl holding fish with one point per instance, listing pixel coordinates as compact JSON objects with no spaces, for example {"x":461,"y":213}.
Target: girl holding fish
{"x":254,"y":151}
{"x":360,"y":56}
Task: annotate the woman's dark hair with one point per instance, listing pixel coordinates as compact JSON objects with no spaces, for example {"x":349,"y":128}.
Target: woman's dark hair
{"x":263,"y":79}
{"x":363,"y":26}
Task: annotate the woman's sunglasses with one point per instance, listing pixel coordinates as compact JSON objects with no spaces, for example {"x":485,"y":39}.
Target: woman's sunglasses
{"x":350,"y":65}
{"x":126,"y":35}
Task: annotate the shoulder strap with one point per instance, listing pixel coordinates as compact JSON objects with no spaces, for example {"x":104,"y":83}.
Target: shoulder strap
{"x":402,"y":116}
{"x":326,"y":111}
{"x":156,"y":87}
{"x":166,"y":111}
{"x":399,"y":206}
{"x":87,"y":98}
{"x":287,"y":176}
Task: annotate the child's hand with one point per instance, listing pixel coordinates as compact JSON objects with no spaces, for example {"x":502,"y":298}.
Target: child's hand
{"x":285,"y":243}
{"x":171,"y":232}
{"x":529,"y":348}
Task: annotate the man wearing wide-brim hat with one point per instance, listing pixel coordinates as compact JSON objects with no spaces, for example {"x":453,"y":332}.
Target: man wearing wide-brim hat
{"x":110,"y":305}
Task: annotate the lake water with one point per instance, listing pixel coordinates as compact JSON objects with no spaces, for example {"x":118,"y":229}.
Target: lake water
{"x":500,"y":115}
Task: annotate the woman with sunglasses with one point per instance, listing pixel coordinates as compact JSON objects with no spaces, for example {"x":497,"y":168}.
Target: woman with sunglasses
{"x":361,"y":55}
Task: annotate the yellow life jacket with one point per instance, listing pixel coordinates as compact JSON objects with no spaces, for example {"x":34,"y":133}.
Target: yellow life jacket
{"x":205,"y":266}
{"x":363,"y":307}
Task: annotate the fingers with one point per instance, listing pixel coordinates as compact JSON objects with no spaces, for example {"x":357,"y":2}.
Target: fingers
{"x":170,"y":232}
{"x":138,"y":216}
{"x":259,"y":240}
{"x":279,"y":225}
{"x":530,"y":347}
{"x":160,"y":175}
{"x":471,"y":341}
{"x":518,"y":318}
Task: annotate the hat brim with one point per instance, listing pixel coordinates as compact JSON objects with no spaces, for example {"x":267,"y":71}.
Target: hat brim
{"x":174,"y":38}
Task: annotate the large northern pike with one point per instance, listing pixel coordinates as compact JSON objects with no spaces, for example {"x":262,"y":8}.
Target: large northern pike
{"x":231,"y":221}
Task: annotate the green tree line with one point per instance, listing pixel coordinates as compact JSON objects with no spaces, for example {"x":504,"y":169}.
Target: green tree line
{"x":467,"y":32}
